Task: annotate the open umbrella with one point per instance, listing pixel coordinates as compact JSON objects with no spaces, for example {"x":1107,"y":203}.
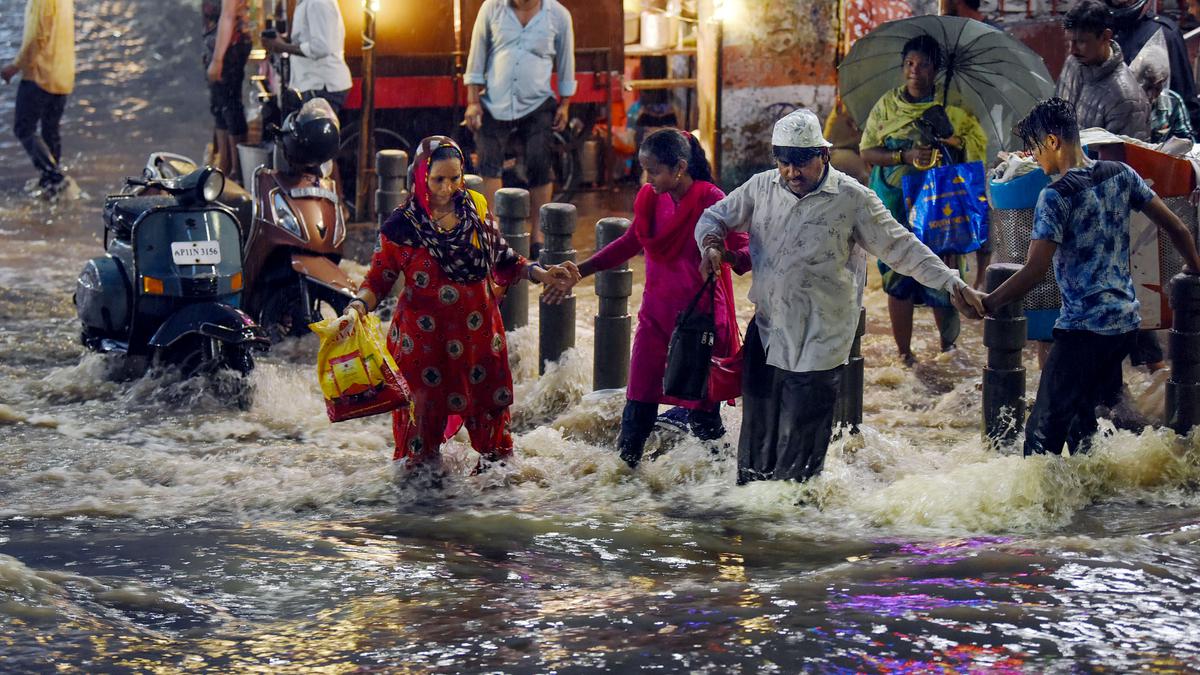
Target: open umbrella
{"x":986,"y":70}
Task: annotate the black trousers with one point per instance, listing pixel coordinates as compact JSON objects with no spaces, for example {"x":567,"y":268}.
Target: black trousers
{"x":37,"y":107}
{"x":787,"y":419}
{"x":1146,"y":349}
{"x":1082,"y":370}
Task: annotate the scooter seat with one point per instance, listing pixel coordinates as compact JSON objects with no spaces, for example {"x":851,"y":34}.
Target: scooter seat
{"x":122,"y":213}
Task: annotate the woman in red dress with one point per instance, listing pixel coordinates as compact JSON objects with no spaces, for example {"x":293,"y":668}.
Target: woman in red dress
{"x":447,"y":335}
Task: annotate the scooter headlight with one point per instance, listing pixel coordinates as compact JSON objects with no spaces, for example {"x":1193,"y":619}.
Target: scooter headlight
{"x":212,"y":186}
{"x":285,"y":218}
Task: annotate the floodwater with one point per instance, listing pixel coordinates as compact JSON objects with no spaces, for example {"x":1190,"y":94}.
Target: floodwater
{"x":145,"y":526}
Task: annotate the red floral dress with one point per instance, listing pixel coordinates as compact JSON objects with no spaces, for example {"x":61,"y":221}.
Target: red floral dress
{"x":448,"y":339}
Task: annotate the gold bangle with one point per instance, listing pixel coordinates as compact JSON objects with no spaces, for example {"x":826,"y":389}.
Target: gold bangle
{"x":898,"y":157}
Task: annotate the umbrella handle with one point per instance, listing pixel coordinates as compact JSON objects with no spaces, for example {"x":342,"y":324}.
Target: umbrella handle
{"x":934,"y":159}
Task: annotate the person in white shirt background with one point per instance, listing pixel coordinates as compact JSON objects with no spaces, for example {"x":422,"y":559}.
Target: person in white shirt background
{"x":317,"y":46}
{"x":806,"y":221}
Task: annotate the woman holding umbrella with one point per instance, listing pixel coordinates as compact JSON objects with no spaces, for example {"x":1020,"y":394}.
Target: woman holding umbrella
{"x":892,"y":143}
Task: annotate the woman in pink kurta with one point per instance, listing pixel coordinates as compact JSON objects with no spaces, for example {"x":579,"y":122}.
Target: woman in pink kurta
{"x":666,"y":209}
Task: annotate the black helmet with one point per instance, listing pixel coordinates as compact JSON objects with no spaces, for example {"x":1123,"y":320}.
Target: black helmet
{"x":310,"y":135}
{"x":1124,"y":12}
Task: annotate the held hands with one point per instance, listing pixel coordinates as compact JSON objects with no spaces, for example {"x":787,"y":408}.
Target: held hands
{"x":968,"y":301}
{"x":557,"y":281}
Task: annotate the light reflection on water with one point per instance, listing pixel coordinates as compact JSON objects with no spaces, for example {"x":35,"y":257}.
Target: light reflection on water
{"x":145,"y":526}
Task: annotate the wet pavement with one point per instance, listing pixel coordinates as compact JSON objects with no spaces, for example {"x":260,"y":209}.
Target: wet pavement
{"x":147,"y":525}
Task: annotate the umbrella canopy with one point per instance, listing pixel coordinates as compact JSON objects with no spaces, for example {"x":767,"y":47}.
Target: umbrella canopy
{"x":989,"y":72}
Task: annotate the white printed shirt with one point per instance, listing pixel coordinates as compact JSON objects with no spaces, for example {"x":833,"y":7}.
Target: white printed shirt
{"x":318,"y":29}
{"x":807,"y":268}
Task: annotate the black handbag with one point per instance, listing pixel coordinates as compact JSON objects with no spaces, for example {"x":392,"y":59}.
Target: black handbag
{"x":689,"y":354}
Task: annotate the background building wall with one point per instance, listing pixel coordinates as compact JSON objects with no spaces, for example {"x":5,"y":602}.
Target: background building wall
{"x":777,"y":56}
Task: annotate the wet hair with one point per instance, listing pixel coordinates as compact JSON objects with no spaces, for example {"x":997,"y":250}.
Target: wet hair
{"x":672,"y":146}
{"x":973,"y":4}
{"x":1054,"y":116}
{"x":927,"y":45}
{"x":1088,"y":16}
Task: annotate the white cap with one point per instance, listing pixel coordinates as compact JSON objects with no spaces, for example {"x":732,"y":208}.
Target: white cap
{"x":799,"y":129}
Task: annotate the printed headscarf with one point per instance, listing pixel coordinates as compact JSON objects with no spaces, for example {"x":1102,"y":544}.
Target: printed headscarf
{"x":466,"y":253}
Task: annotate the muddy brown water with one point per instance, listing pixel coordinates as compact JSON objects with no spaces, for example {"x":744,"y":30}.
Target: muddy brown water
{"x":145,"y":526}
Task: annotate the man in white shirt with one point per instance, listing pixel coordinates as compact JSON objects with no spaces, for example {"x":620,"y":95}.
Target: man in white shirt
{"x":515,"y":46}
{"x":806,"y":221}
{"x":317,"y":45}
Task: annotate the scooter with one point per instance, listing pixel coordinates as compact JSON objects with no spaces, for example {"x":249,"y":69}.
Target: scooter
{"x":294,"y":224}
{"x":170,"y":284}
{"x":299,"y":231}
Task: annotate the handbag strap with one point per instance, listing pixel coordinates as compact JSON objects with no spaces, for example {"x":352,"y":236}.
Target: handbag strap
{"x":710,"y":284}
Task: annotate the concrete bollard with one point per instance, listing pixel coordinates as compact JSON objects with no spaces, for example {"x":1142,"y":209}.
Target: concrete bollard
{"x":610,"y":358}
{"x":556,"y":330}
{"x":1004,"y":376}
{"x":849,"y":409}
{"x":391,"y":169}
{"x":1183,"y":388}
{"x":511,"y":208}
{"x":473,"y":182}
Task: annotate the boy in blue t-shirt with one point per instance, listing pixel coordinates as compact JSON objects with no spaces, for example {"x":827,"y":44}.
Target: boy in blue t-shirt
{"x":1081,"y":223}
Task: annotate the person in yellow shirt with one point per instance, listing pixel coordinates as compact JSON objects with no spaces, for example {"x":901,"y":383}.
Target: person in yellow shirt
{"x":46,"y":63}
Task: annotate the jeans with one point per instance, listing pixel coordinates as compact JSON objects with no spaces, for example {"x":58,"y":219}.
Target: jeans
{"x":36,"y":106}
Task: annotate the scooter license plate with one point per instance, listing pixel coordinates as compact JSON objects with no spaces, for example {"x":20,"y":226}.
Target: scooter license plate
{"x":196,"y":252}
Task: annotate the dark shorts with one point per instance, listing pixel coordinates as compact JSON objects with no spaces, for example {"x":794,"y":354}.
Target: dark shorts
{"x":534,"y":131}
{"x":225,"y":96}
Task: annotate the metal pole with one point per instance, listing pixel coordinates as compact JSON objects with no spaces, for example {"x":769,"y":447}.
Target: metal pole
{"x":366,"y":139}
{"x":610,"y":358}
{"x":1004,"y":376}
{"x":475,"y":182}
{"x":1183,"y":388}
{"x":556,"y":329}
{"x":512,"y":213}
{"x":392,"y":168}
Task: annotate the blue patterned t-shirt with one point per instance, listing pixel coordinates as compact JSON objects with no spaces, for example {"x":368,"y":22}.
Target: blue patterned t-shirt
{"x":1086,"y":212}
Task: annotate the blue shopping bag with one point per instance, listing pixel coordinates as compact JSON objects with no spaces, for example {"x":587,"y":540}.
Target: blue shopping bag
{"x":948,"y":207}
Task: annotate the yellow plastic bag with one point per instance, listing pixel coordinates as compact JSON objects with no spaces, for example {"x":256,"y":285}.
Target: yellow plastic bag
{"x":358,"y":376}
